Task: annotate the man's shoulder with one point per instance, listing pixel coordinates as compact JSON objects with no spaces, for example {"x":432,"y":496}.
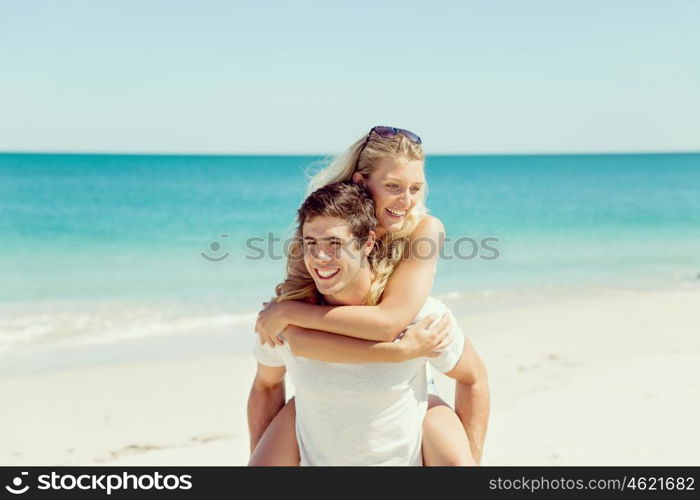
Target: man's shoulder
{"x":271,"y":356}
{"x":431,"y":306}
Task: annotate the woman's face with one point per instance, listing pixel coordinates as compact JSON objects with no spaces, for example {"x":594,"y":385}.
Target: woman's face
{"x":395,"y":186}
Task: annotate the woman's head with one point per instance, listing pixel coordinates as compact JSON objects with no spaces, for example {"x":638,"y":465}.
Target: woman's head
{"x":397,"y":187}
{"x":390,"y":165}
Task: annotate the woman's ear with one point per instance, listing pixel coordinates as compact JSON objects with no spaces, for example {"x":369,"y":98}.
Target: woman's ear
{"x":357,"y":178}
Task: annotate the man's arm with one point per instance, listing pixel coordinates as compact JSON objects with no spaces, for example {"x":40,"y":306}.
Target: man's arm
{"x":266,"y":398}
{"x":472,"y":397}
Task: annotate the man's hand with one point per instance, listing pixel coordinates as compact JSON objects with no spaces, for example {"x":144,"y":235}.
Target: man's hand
{"x":271,"y":323}
{"x":420,"y":340}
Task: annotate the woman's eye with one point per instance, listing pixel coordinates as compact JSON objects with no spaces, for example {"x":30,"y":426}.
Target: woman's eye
{"x":414,"y":190}
{"x":392,"y":186}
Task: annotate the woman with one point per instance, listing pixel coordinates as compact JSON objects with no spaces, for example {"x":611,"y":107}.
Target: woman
{"x":389,"y":162}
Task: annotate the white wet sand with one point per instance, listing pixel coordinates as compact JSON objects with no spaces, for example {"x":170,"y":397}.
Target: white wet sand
{"x":611,"y":380}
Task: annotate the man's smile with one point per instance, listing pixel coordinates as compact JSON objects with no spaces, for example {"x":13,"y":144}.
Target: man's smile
{"x":326,"y":274}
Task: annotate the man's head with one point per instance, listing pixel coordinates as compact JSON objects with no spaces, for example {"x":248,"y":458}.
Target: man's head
{"x":337,"y":225}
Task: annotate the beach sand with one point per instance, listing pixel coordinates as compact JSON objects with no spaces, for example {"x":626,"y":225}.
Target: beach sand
{"x":606,"y":380}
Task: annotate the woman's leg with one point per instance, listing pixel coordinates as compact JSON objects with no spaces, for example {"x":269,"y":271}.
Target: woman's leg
{"x":444,"y":438}
{"x":278,"y":444}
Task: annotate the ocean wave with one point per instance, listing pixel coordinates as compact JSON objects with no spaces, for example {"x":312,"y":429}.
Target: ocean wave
{"x":27,"y":327}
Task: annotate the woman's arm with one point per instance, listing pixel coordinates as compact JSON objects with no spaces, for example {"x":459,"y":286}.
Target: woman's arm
{"x":420,"y":340}
{"x":404,"y":295}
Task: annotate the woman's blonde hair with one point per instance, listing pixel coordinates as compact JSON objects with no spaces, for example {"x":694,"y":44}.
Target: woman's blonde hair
{"x":390,"y":249}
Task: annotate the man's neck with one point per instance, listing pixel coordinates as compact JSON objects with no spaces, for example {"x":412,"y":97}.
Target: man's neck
{"x":355,"y":294}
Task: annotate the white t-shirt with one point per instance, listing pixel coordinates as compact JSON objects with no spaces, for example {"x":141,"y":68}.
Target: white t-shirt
{"x":362,"y":414}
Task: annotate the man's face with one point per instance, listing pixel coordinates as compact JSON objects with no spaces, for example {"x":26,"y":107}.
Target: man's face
{"x":332,"y":255}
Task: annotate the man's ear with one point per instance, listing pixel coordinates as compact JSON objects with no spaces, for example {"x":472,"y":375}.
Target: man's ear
{"x":357,"y":178}
{"x":369,"y":244}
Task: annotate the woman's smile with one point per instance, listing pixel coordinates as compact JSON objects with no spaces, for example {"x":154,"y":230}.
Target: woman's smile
{"x":396,"y":213}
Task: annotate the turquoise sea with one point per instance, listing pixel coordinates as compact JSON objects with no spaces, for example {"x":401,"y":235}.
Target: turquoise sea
{"x":100,"y":250}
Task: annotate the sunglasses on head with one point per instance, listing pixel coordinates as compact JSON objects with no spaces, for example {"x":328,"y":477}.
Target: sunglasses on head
{"x":391,"y":132}
{"x":387,"y":133}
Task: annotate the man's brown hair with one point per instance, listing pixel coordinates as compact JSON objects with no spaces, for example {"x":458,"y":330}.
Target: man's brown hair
{"x":348,"y":201}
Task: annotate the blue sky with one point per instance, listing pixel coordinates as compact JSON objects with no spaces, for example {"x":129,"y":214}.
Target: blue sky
{"x":311,"y":77}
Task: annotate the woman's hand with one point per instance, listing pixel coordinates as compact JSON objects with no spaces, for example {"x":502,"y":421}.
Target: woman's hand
{"x":420,"y":340}
{"x":271,"y":323}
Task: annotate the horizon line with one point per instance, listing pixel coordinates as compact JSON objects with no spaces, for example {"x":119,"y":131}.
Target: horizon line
{"x":316,"y":154}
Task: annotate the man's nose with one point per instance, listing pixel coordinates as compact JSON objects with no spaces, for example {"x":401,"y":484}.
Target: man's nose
{"x":321,"y":254}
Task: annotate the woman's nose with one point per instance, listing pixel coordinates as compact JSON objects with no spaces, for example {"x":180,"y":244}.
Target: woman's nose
{"x":404,"y":197}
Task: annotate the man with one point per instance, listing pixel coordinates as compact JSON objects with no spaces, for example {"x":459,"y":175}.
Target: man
{"x":359,"y":409}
